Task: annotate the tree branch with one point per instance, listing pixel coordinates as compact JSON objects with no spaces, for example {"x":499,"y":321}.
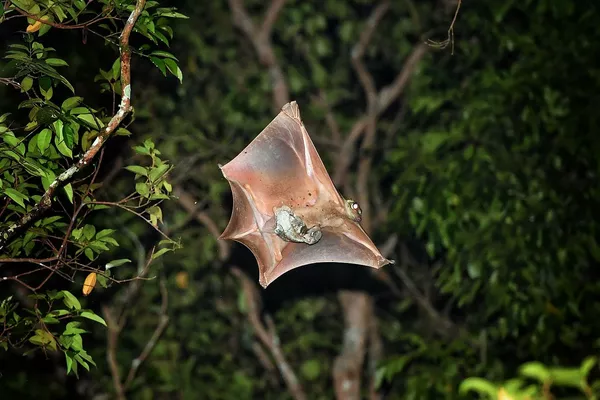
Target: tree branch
{"x":368,"y":84}
{"x":347,"y":368}
{"x":261,"y":41}
{"x":124,"y":108}
{"x":375,"y":356}
{"x":359,"y":49}
{"x":113,"y":332}
{"x":268,"y":335}
{"x":385,"y":98}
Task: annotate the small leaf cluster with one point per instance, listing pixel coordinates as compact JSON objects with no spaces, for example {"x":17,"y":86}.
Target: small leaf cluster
{"x":46,"y":326}
{"x":536,"y":381}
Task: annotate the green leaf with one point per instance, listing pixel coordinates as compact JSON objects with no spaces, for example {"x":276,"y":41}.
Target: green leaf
{"x":93,"y":317}
{"x":69,"y":136}
{"x":117,"y":263}
{"x":44,"y":138}
{"x":69,"y":192}
{"x":137,"y":169}
{"x":73,"y":328}
{"x":535,"y":370}
{"x":104,"y":233}
{"x":478,"y":385}
{"x":69,"y":300}
{"x":43,"y":338}
{"x":155,"y":214}
{"x":69,"y":361}
{"x":90,"y":121}
{"x":123,"y":132}
{"x":60,"y":141}
{"x":141,"y":150}
{"x":142,"y":188}
{"x":62,"y":147}
{"x":163,"y":54}
{"x":587,"y":365}
{"x":158,"y":196}
{"x":102,"y":280}
{"x":566,"y":377}
{"x":81,"y":362}
{"x":18,"y":197}
{"x":173,"y":14}
{"x":160,"y":64}
{"x":160,"y":253}
{"x":56,"y":62}
{"x":71,"y":103}
{"x":49,"y":319}
{"x":45,"y":27}
{"x":116,"y":69}
{"x":174,"y":68}
{"x":89,"y":231}
{"x":60,"y":312}
{"x":47,"y":179}
{"x":89,"y":253}
{"x":26,"y":83}
{"x":158,"y":172}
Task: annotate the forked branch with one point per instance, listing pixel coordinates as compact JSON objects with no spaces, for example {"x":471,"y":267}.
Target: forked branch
{"x":267,"y":335}
{"x":261,"y":41}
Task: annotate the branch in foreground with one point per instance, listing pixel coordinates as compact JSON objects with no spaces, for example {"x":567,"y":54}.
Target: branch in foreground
{"x":268,"y":336}
{"x":261,"y":40}
{"x":124,"y":108}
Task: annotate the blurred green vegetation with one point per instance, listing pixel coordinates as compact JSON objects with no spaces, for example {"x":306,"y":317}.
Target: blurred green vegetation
{"x":484,"y":174}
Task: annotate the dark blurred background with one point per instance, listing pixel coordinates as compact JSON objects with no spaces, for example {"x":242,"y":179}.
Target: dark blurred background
{"x":480,"y":178}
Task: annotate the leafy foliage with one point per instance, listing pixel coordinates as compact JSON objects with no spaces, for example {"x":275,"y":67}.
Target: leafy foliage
{"x":484,"y":170}
{"x":46,"y":139}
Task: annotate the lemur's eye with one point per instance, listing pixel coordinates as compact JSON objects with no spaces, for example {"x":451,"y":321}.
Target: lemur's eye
{"x":354,"y":210}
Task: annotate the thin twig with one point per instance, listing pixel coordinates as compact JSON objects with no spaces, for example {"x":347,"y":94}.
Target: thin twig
{"x":187,"y":201}
{"x":442,"y":325}
{"x":450,"y":39}
{"x":163,"y":321}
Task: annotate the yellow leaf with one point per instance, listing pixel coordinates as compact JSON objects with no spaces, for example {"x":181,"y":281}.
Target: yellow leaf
{"x":182,"y":279}
{"x":34,"y":28}
{"x":90,"y":282}
{"x":503,"y":395}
